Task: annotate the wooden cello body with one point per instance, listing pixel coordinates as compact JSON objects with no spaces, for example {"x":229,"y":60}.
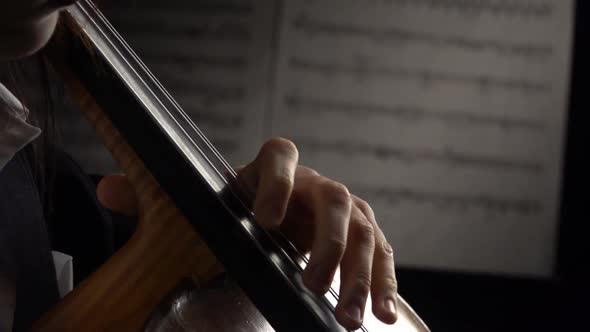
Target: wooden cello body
{"x":193,"y":221}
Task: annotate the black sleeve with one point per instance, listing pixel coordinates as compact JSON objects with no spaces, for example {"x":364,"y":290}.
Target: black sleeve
{"x":78,"y":224}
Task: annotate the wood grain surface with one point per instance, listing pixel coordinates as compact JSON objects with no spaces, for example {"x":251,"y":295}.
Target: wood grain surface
{"x":123,"y":292}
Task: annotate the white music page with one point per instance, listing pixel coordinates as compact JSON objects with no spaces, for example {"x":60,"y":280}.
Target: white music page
{"x":447,"y":116}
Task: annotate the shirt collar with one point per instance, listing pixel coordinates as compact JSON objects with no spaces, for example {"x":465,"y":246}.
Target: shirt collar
{"x":15,"y":132}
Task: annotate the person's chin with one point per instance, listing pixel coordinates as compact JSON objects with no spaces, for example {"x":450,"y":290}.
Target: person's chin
{"x":26,"y":38}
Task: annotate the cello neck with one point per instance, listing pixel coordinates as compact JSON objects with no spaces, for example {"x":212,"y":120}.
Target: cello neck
{"x":185,"y":188}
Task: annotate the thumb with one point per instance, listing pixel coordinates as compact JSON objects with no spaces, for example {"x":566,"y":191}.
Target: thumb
{"x":116,"y":193}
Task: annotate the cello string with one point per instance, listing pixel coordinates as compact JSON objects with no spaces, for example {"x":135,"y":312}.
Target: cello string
{"x":244,"y":194}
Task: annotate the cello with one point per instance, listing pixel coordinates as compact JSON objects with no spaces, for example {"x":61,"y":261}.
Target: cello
{"x":194,"y":217}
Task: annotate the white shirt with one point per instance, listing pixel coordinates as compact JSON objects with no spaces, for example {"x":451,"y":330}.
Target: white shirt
{"x":15,"y":132}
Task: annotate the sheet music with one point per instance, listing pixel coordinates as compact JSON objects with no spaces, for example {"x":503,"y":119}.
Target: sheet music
{"x":447,"y":116}
{"x":214,"y":58}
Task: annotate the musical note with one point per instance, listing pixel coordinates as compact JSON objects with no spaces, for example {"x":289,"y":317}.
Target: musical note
{"x":396,"y":36}
{"x":364,"y":71}
{"x":196,"y":62}
{"x":215,"y":119}
{"x":207,"y":8}
{"x":408,"y":113}
{"x":209,"y":94}
{"x":225,"y":145}
{"x":448,"y":157}
{"x":511,"y":8}
{"x":489,"y":205}
{"x":236,"y":32}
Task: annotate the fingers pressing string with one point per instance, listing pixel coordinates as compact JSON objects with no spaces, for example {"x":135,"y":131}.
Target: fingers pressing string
{"x":384,"y":282}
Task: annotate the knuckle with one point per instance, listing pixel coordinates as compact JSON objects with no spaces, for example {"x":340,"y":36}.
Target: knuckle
{"x":308,"y":171}
{"x":335,"y":192}
{"x":364,"y":207}
{"x":386,"y":248}
{"x":363,"y":282}
{"x":390,"y":282}
{"x":336,"y":246}
{"x":281,"y":146}
{"x":363,"y":231}
{"x":283,"y":182}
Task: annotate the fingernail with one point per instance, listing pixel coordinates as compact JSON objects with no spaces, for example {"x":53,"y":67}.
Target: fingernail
{"x":390,"y":305}
{"x":354,"y":312}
